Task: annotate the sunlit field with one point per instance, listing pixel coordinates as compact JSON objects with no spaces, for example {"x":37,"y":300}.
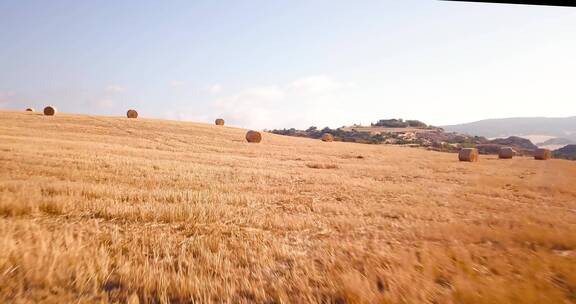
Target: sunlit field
{"x":102,"y":209}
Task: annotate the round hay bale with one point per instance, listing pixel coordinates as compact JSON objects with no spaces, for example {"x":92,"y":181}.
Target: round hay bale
{"x":30,"y":110}
{"x":506,"y":153}
{"x":132,"y":114}
{"x":468,"y":154}
{"x":327,"y":137}
{"x":542,"y":154}
{"x":253,"y":136}
{"x":219,"y":122}
{"x":50,"y":111}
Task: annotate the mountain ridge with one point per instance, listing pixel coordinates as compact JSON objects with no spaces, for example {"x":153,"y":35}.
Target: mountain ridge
{"x":558,"y":127}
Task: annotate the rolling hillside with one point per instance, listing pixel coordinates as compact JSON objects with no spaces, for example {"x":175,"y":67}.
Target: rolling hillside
{"x":537,"y":129}
{"x":557,"y":127}
{"x":105,"y":209}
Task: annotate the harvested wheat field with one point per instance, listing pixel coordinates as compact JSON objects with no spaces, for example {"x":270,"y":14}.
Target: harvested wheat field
{"x":100,"y":209}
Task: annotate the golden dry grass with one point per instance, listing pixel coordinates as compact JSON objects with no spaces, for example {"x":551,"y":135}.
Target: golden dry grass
{"x":97,"y":209}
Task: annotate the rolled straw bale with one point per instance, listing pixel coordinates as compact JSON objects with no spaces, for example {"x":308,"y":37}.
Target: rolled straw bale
{"x":506,"y":153}
{"x":219,"y":122}
{"x":327,"y":137}
{"x":49,"y":111}
{"x":468,"y":154}
{"x":253,"y":136}
{"x":132,"y":114}
{"x":30,"y":110}
{"x":542,"y":154}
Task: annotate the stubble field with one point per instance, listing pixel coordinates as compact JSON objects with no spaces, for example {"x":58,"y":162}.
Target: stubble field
{"x":102,"y":209}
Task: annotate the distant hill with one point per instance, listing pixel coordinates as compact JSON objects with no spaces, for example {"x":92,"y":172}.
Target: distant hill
{"x":414,"y":133}
{"x":560,"y":130}
{"x":568,"y":152}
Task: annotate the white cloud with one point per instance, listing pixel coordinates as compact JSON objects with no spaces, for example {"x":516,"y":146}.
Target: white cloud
{"x":6,"y":98}
{"x":314,"y":85}
{"x":260,"y":94}
{"x":300,"y":103}
{"x":176,"y":83}
{"x":6,"y":94}
{"x":215,"y":89}
{"x":115,"y":89}
{"x":105,"y":103}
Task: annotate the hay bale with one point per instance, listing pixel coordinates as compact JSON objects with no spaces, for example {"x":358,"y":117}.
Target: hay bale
{"x":50,"y":111}
{"x":468,"y":154}
{"x":542,"y":154}
{"x":253,"y":136}
{"x":132,"y":114}
{"x":327,"y":137}
{"x":30,"y":110}
{"x":219,"y":122}
{"x":506,"y":153}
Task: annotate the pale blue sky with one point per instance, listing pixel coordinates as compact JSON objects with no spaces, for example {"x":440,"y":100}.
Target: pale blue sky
{"x":273,"y":64}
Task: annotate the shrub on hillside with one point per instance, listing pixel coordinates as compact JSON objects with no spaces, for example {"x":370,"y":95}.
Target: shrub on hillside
{"x":391,"y":123}
{"x":416,"y":124}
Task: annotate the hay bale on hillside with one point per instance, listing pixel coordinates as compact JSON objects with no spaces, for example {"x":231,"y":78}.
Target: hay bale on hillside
{"x":219,"y":122}
{"x":542,"y":154}
{"x":132,"y":114}
{"x":253,"y":136}
{"x":50,"y":111}
{"x":468,"y":154}
{"x":327,"y":137}
{"x":29,"y":109}
{"x":506,"y":153}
